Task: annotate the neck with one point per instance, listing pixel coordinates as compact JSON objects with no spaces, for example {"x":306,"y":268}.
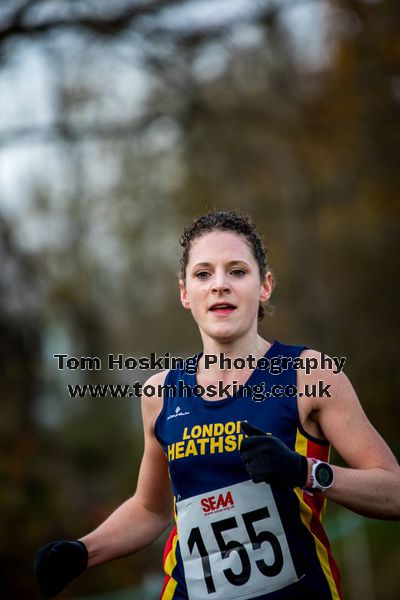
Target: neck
{"x":255,"y":346}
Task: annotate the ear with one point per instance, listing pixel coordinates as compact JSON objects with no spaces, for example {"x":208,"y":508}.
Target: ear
{"x":266,"y":287}
{"x":184,"y":294}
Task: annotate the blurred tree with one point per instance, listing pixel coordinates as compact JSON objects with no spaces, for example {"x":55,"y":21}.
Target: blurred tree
{"x":233,"y":115}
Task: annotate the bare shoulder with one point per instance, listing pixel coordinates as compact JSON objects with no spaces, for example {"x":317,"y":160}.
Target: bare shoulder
{"x":324,"y":391}
{"x":335,"y":407}
{"x":152,"y":401}
{"x":153,"y":488}
{"x":330,"y":390}
{"x":322,"y":376}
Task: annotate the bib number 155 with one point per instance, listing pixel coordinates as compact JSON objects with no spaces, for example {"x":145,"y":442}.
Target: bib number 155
{"x":218,"y":527}
{"x":239,"y":552}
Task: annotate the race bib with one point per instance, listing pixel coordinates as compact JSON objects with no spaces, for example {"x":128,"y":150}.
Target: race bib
{"x":233,"y":544}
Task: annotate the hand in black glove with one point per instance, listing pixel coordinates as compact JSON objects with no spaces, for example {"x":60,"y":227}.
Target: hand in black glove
{"x":58,"y":563}
{"x":268,"y":459}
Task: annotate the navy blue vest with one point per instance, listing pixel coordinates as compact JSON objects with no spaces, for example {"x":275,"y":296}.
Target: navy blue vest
{"x":216,"y":503}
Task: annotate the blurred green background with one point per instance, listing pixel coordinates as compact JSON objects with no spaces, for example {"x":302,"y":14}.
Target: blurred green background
{"x":119,"y":123}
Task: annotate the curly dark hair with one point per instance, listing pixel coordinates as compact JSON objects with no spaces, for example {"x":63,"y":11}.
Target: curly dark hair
{"x":225,"y":221}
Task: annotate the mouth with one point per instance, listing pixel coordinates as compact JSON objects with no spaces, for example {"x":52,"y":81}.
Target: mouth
{"x":222,"y":308}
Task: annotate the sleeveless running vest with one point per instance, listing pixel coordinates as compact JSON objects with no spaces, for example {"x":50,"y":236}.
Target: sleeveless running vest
{"x":234,"y":539}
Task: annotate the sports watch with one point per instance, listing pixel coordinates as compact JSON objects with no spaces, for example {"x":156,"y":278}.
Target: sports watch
{"x":322,"y":476}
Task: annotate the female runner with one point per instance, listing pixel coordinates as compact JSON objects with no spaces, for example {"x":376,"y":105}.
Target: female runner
{"x":239,"y":454}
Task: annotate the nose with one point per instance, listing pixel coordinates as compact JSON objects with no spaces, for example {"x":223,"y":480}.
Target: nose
{"x":220,"y":282}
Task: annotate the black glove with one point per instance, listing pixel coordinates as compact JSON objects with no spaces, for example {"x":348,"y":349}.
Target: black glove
{"x":58,"y":563}
{"x":268,"y":459}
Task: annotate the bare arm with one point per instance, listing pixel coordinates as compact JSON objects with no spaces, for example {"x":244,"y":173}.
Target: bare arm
{"x":370,"y":485}
{"x":142,"y":518}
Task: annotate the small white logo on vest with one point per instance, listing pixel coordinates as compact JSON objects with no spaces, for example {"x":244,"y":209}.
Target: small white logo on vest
{"x":178,"y":413}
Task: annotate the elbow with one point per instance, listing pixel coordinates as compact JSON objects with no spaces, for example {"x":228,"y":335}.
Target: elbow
{"x":160,"y":516}
{"x":164,"y":519}
{"x":394,"y":502}
{"x":391,"y":505}
{"x":167,"y":522}
{"x":387,"y":503}
{"x":394,"y":515}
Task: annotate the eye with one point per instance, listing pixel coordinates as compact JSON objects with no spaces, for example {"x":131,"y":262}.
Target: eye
{"x":238,"y":272}
{"x":202,"y":275}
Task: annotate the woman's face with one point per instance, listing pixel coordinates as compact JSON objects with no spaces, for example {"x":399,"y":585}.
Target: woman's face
{"x":223,"y":288}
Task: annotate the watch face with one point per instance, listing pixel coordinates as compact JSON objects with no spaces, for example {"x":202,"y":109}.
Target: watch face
{"x":324,"y":475}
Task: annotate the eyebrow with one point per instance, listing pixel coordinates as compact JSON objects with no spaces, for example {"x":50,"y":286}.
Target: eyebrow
{"x":230,"y":263}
